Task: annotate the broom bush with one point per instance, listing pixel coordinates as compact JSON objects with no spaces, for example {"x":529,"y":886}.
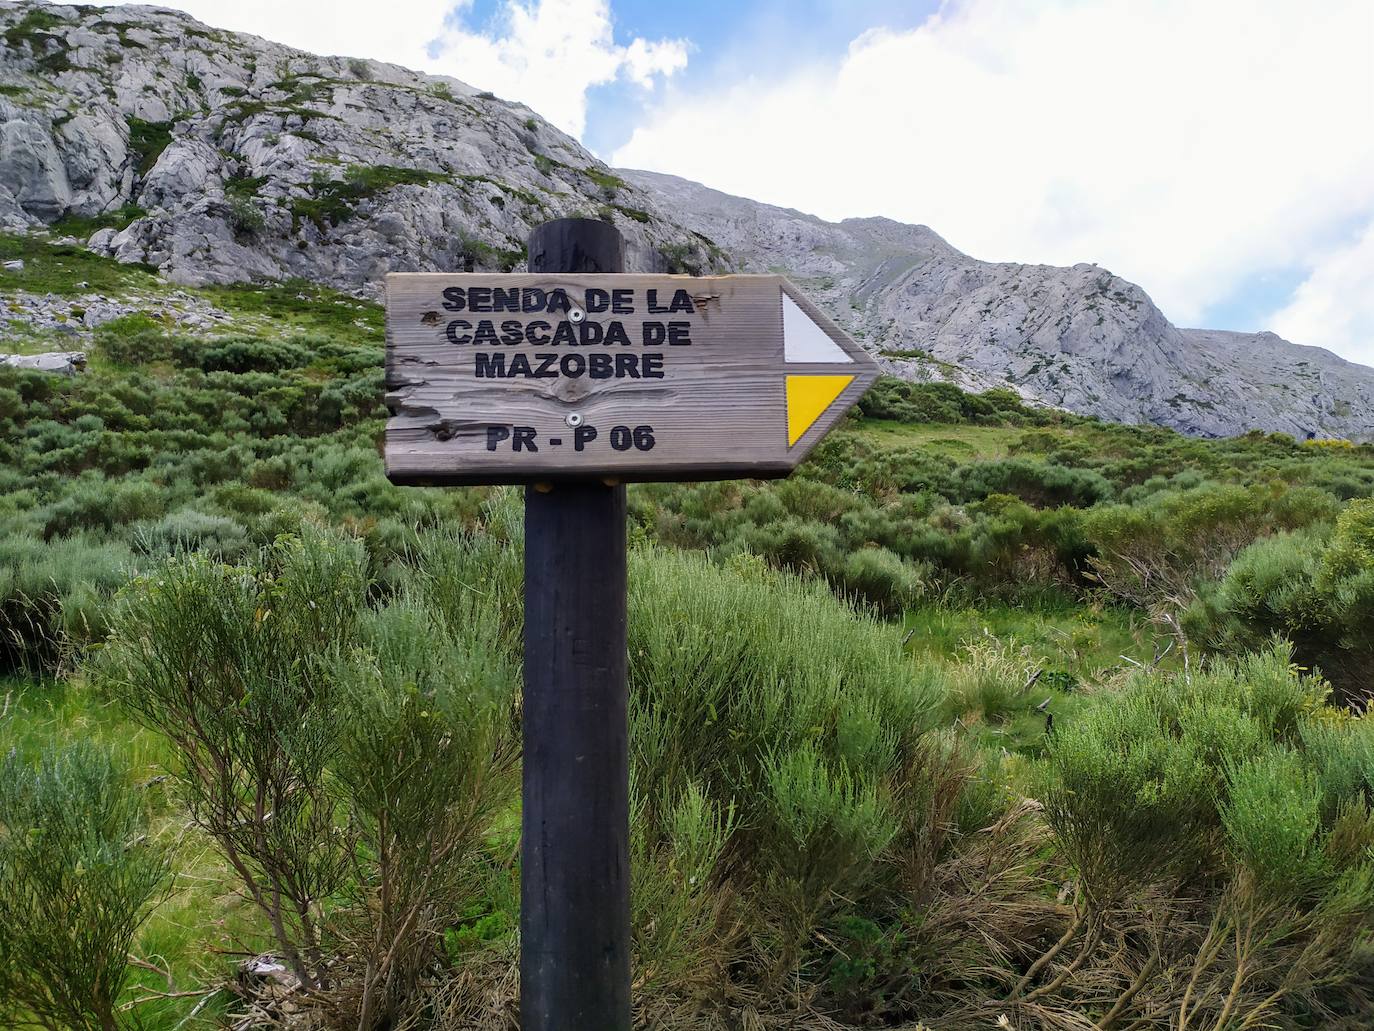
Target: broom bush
{"x":79,"y":873}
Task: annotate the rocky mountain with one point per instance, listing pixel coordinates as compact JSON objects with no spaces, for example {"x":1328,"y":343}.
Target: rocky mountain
{"x":1078,"y":338}
{"x":217,"y":157}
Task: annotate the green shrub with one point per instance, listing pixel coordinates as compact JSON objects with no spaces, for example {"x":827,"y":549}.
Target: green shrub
{"x":798,"y":545}
{"x":1128,"y":804}
{"x":1263,"y":688}
{"x":228,"y":664}
{"x":147,"y":141}
{"x":188,"y":530}
{"x":677,"y":897}
{"x":245,"y":216}
{"x":428,"y":761}
{"x":242,"y":354}
{"x":84,"y":226}
{"x":788,"y":713}
{"x":1161,"y":552}
{"x":905,"y":401}
{"x":347,"y":761}
{"x":79,"y":874}
{"x":1272,"y":817}
{"x":334,"y":201}
{"x":989,"y":683}
{"x":1042,"y":483}
{"x":728,"y":668}
{"x":877,"y":576}
{"x":54,"y":595}
{"x":1341,"y":754}
{"x":1315,"y":588}
{"x":825,"y":827}
{"x":1172,"y":741}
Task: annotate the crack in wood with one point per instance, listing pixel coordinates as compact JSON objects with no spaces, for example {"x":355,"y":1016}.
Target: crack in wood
{"x":448,"y":429}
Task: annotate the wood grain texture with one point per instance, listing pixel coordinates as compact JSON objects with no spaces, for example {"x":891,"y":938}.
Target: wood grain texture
{"x":575,"y":815}
{"x":718,"y":411}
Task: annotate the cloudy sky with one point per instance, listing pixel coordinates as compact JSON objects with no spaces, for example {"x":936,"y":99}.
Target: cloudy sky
{"x":1218,"y":152}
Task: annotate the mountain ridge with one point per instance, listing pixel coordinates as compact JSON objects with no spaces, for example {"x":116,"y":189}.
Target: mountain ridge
{"x":215,"y":157}
{"x":1074,"y":337}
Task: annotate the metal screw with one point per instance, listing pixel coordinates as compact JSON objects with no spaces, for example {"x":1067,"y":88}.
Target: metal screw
{"x":573,"y":419}
{"x":576,"y":315}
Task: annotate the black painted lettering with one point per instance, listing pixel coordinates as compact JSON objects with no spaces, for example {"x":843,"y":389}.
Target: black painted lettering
{"x":458,"y":332}
{"x":496,"y":434}
{"x":519,"y":365}
{"x":590,"y":333}
{"x":537,"y":332}
{"x":512,"y":332}
{"x":455,"y":298}
{"x":679,"y":334}
{"x":626,"y":366}
{"x":531,"y":299}
{"x":505,"y":300}
{"x":623,"y":302}
{"x":615,"y":334}
{"x":564,"y":334}
{"x":558,"y":301}
{"x":682,"y":301}
{"x":597,"y":300}
{"x":652,"y":366}
{"x":584,"y":435}
{"x":600,"y":365}
{"x":524,"y":437}
{"x":573,"y":365}
{"x":654,"y":333}
{"x":490,"y":366}
{"x":545,"y":369}
{"x":479,"y":298}
{"x":485,"y":336}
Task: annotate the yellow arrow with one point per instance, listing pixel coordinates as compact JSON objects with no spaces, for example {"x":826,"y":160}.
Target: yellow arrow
{"x":807,"y":398}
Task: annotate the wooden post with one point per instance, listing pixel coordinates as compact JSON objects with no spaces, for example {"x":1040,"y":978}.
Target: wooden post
{"x":575,"y":824}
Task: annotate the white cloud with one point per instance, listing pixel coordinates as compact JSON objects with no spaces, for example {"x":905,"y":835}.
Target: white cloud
{"x":552,"y":52}
{"x":1187,"y":146}
{"x":545,"y":53}
{"x":1336,"y":304}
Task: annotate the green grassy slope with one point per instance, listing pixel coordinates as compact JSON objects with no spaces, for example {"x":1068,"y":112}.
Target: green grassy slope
{"x":1000,"y":568}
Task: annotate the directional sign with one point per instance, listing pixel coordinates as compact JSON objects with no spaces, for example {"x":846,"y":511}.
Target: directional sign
{"x":520,"y":378}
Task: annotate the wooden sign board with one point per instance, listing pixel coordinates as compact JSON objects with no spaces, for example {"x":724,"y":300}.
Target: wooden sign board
{"x":523,"y":378}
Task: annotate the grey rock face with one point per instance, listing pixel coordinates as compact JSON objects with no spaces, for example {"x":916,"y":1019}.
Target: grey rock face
{"x":218,"y":157}
{"x":232,"y":158}
{"x":31,"y":313}
{"x":63,"y":363}
{"x":30,"y":166}
{"x":1077,"y":338}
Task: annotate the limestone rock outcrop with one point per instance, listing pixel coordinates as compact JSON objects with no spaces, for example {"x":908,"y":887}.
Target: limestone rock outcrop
{"x":1077,"y":338}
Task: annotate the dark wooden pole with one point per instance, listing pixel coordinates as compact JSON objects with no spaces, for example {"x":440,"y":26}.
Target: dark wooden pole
{"x":575,"y":824}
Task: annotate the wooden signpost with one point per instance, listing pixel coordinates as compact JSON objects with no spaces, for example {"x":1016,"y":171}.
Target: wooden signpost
{"x":574,"y":379}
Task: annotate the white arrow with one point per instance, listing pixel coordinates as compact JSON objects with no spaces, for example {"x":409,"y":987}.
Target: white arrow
{"x":803,"y":340}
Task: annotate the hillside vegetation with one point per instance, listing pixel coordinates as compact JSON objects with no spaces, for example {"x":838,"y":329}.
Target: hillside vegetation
{"x":218,"y":157}
{"x":989,"y":716}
